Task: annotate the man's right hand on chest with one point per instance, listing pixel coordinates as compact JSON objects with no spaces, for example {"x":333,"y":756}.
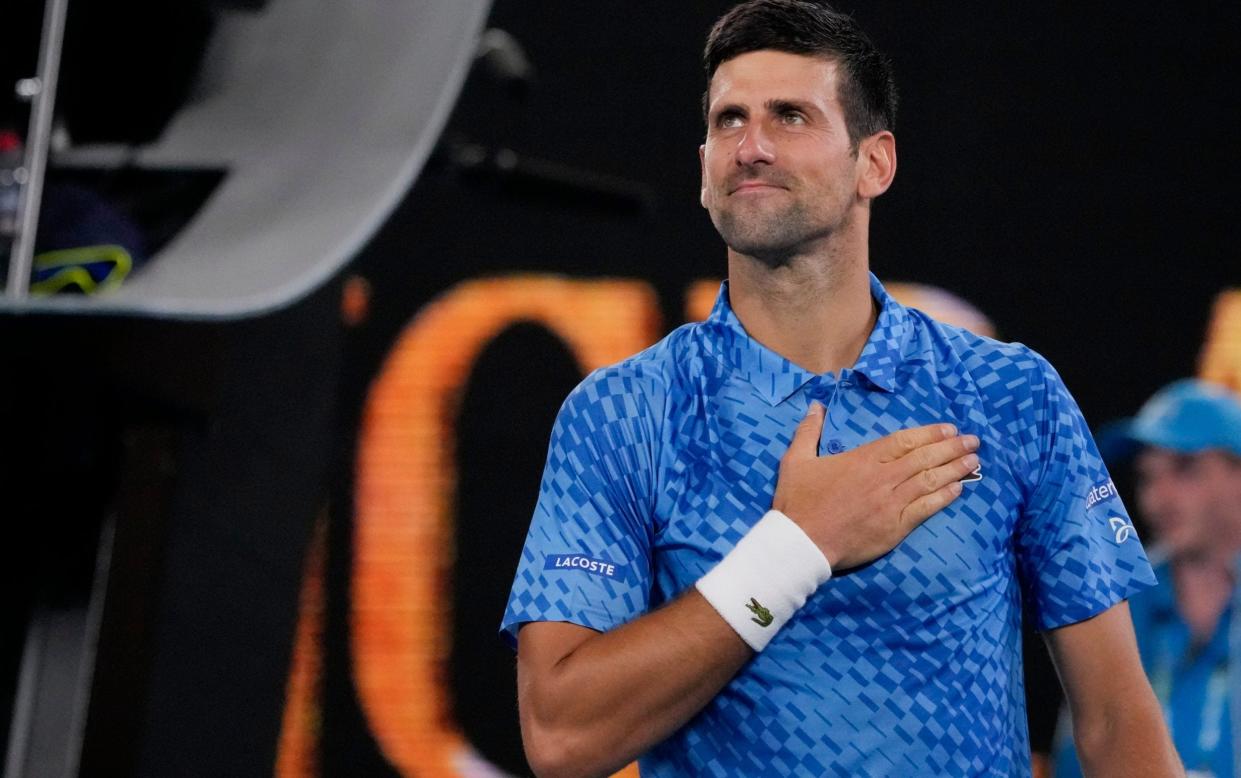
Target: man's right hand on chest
{"x":858,"y":505}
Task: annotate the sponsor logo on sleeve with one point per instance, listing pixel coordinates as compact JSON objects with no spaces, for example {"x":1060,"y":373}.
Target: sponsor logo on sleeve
{"x":585,"y":564}
{"x":1122,"y":529}
{"x":1101,"y":493}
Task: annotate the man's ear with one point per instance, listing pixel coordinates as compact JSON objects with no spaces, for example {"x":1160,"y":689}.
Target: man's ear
{"x":877,"y":160}
{"x":702,"y":169}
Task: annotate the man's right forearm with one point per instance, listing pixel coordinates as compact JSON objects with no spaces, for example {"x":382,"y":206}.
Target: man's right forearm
{"x":616,"y":694}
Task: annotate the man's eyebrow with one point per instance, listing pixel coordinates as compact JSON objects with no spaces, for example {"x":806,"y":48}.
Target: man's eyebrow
{"x":728,"y":108}
{"x":782,"y":104}
{"x":774,"y":105}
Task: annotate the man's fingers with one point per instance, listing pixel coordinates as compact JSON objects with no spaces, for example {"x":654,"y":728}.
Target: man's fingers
{"x":928,"y":505}
{"x":934,"y":455}
{"x":926,"y":481}
{"x":806,"y":436}
{"x":898,"y":444}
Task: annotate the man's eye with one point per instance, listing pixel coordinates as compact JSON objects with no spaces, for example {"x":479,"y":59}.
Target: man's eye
{"x":793,"y":117}
{"x":728,"y":120}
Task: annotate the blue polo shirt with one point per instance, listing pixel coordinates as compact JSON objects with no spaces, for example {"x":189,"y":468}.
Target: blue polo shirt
{"x":910,"y":665}
{"x":1192,"y":682}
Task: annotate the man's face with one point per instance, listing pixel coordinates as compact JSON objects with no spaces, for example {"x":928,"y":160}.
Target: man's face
{"x":1192,"y":501}
{"x":778,"y":170}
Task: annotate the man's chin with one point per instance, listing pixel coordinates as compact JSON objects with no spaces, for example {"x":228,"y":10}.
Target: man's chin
{"x":773,"y":247}
{"x":1187,"y":550}
{"x":756,"y":240}
{"x":771,"y":238}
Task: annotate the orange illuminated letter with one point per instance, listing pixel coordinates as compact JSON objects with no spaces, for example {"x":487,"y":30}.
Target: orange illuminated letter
{"x":403,"y":542}
{"x":1221,"y":354}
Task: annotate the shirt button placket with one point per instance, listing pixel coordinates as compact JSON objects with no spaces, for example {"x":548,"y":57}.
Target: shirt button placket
{"x":836,"y":445}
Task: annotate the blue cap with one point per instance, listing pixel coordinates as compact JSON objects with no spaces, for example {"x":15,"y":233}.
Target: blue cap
{"x":1188,"y":416}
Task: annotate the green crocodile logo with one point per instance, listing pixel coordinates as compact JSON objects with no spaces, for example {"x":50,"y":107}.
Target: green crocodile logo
{"x":762,"y":616}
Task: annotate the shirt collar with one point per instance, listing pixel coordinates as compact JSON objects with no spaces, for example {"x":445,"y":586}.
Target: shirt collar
{"x":776,"y":379}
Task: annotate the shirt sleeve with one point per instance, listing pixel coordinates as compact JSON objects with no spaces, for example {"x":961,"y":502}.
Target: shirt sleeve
{"x":587,"y":556}
{"x":1077,"y":550}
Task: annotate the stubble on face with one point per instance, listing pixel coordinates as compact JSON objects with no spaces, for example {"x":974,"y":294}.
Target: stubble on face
{"x":773,"y":227}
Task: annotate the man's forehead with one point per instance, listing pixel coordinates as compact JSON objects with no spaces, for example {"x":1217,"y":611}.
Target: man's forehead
{"x":764,"y":74}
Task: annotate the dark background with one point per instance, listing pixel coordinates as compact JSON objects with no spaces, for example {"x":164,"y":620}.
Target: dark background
{"x":1067,"y":168}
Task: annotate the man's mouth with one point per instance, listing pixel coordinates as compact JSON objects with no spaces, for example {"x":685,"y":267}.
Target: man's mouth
{"x":754,"y":186}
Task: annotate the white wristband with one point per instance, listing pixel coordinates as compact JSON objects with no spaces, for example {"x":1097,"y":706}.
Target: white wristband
{"x":765,"y":578}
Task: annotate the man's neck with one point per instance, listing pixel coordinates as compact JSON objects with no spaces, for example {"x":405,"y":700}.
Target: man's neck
{"x":815,"y":311}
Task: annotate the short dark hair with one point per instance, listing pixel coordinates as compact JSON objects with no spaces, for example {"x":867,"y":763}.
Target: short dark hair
{"x":867,"y":87}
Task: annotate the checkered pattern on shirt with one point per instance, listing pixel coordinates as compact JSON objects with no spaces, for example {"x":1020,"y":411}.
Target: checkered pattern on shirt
{"x":910,"y":665}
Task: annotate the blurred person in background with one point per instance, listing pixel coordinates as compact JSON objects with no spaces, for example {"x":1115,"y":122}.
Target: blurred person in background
{"x":1186,"y":448}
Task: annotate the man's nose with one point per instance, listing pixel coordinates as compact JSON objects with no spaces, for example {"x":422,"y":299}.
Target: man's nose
{"x":755,"y":147}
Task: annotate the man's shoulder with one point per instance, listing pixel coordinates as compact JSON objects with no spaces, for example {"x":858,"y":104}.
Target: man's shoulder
{"x":662,"y":363}
{"x":644,"y":378}
{"x":993,"y":366}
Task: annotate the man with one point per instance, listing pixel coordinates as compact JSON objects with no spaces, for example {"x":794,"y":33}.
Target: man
{"x":661,"y":611}
{"x":1188,"y":488}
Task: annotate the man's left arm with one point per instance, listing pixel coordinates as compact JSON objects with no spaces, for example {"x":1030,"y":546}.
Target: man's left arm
{"x":1118,"y":726}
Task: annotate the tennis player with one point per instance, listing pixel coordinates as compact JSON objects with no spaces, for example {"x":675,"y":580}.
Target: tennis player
{"x":797,"y":539}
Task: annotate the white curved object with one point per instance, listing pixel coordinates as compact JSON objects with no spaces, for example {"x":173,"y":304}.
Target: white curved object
{"x":324,"y":114}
